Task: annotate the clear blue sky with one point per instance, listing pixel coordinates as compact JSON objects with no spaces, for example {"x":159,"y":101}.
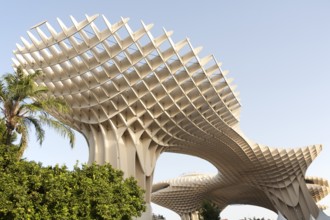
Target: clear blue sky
{"x":278,"y":52}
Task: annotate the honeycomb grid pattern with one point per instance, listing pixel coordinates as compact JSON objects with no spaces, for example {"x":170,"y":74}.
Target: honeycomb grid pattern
{"x":186,"y":193}
{"x":135,"y":96}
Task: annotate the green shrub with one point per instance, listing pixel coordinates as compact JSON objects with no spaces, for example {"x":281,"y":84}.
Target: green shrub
{"x":30,"y":191}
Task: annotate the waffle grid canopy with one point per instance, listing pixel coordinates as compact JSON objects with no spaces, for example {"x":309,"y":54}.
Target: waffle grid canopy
{"x":83,"y":58}
{"x":134,"y":96}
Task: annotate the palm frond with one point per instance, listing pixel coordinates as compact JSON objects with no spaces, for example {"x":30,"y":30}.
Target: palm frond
{"x":22,"y":86}
{"x":61,"y":128}
{"x":55,"y":104}
{"x":35,"y":74}
{"x":39,"y":90}
{"x":30,"y":108}
{"x":9,"y":78}
{"x":40,"y":133}
{"x":3,"y":92}
{"x":16,"y":87}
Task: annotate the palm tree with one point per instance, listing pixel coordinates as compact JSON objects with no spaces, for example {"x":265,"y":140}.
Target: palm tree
{"x":23,"y":103}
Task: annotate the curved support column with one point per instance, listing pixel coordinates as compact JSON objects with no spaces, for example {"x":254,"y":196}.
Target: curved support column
{"x":126,"y":150}
{"x":280,"y":217}
{"x":293,"y":201}
{"x":321,"y":216}
{"x":190,"y":216}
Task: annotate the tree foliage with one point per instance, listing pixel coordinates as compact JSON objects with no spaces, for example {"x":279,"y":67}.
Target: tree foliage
{"x":209,"y":211}
{"x":30,"y":191}
{"x":24,"y":104}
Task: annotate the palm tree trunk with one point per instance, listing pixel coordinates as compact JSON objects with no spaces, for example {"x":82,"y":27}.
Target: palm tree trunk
{"x":9,"y":134}
{"x":20,"y":152}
